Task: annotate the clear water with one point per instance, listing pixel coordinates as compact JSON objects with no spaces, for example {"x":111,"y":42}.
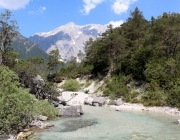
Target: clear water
{"x":100,"y":123}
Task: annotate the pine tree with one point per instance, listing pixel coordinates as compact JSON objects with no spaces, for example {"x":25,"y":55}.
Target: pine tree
{"x":53,"y":60}
{"x":7,"y":32}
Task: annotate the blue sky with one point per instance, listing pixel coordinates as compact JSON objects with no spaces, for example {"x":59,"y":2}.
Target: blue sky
{"x":44,"y":15}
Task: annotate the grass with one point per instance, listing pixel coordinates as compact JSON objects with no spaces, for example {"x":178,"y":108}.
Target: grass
{"x":71,"y":85}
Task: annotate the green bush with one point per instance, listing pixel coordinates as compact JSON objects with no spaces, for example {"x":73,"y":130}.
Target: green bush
{"x":163,"y":72}
{"x":16,"y":104}
{"x":71,"y":85}
{"x":116,"y":87}
{"x":132,"y":97}
{"x":154,"y":98}
{"x":43,"y":107}
{"x":174,"y":96}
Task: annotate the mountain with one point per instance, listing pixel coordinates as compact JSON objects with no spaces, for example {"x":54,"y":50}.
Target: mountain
{"x":69,"y":38}
{"x":27,"y":48}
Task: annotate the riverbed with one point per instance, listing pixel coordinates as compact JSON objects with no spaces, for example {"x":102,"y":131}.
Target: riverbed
{"x":104,"y":123}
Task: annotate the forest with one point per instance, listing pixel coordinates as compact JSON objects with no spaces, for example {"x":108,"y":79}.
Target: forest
{"x":138,"y":50}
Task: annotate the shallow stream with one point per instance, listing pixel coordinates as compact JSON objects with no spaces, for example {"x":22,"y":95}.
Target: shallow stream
{"x":102,"y":123}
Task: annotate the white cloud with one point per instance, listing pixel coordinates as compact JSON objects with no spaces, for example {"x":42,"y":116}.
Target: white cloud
{"x":118,"y":6}
{"x":116,"y":23}
{"x":89,"y":5}
{"x":13,"y":4}
{"x":121,"y":6}
{"x":40,"y":10}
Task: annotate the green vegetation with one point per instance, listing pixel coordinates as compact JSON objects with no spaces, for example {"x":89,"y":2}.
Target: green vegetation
{"x":53,"y":60}
{"x":25,"y":71}
{"x":71,"y":85}
{"x":116,"y":88}
{"x":44,"y":108}
{"x":27,"y":48}
{"x":8,"y":32}
{"x":16,"y":104}
{"x":147,"y":51}
{"x":73,"y":69}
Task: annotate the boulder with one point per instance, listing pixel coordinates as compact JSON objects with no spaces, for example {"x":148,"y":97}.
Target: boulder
{"x":178,"y":121}
{"x":49,"y":125}
{"x":39,"y":124}
{"x":38,"y":80}
{"x":71,"y":111}
{"x":51,"y":76}
{"x":79,"y":109}
{"x":61,"y":99}
{"x":112,"y":102}
{"x":96,"y":104}
{"x":99,"y":100}
{"x":60,"y":106}
{"x":10,"y":137}
{"x":88,"y":101}
{"x":99,"y":94}
{"x":117,"y":109}
{"x":107,"y":100}
{"x":23,"y":135}
{"x":119,"y":102}
{"x":42,"y":118}
{"x":92,"y":95}
{"x":56,"y":104}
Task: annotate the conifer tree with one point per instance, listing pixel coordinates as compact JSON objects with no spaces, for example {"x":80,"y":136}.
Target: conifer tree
{"x":8,"y":30}
{"x":54,"y":59}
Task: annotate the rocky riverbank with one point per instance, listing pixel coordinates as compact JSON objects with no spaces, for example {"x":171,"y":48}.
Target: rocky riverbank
{"x":140,"y":107}
{"x":118,"y":105}
{"x":97,"y":99}
{"x":74,"y":100}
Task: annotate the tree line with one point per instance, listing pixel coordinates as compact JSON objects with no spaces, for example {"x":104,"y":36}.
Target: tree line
{"x":141,"y":50}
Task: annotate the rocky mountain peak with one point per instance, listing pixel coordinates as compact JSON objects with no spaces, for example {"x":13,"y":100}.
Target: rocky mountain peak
{"x":69,"y":38}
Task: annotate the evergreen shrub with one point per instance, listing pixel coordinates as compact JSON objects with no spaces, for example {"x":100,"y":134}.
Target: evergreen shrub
{"x":16,"y":104}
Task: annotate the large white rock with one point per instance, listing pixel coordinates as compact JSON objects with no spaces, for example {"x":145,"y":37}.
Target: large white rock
{"x":39,"y":80}
{"x":40,"y":124}
{"x":71,"y":111}
{"x":42,"y":118}
{"x":119,"y":102}
{"x":88,"y":101}
{"x":99,"y":100}
{"x":73,"y":98}
{"x":179,"y":121}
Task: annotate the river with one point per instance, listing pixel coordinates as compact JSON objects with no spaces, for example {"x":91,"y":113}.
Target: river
{"x":103,"y":123}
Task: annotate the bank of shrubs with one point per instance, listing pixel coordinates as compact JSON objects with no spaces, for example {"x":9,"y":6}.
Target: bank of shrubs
{"x":17,"y":106}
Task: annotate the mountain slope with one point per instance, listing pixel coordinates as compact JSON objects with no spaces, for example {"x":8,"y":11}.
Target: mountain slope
{"x":69,"y":39}
{"x":27,"y":48}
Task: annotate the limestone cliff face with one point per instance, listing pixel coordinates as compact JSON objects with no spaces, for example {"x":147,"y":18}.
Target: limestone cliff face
{"x":69,"y":39}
